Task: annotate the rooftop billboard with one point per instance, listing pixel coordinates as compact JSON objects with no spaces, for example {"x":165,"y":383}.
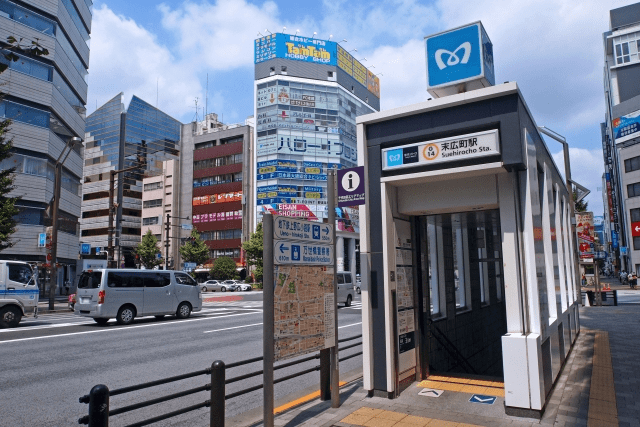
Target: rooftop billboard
{"x":316,"y":51}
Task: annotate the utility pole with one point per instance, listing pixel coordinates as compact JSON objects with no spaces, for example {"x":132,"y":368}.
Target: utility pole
{"x":112,"y":206}
{"x":167,"y":227}
{"x":54,"y":214}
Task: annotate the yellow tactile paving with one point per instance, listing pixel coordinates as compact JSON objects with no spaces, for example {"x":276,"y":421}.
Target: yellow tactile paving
{"x":464,"y":385}
{"x":365,"y":417}
{"x":602,"y":394}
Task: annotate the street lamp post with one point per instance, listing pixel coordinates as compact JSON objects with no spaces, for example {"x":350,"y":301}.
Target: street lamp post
{"x":54,"y":215}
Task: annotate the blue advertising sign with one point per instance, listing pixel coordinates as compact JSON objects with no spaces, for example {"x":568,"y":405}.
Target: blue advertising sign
{"x":487,"y":57}
{"x":42,"y":240}
{"x":454,"y":56}
{"x":294,"y":47}
{"x":626,"y":127}
{"x":277,"y":165}
{"x":85,"y":249}
{"x":614,"y":239}
{"x":290,"y":175}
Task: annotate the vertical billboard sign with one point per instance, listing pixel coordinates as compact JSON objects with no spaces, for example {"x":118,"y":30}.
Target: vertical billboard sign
{"x":461,"y":55}
{"x":586,"y":235}
{"x":626,"y":127}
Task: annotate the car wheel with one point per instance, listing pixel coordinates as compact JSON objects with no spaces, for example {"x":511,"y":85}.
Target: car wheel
{"x":100,"y":322}
{"x":204,"y":289}
{"x":10,"y":317}
{"x":223,"y":289}
{"x":126,"y":314}
{"x":159,"y":316}
{"x":184,"y":311}
{"x":348,"y":303}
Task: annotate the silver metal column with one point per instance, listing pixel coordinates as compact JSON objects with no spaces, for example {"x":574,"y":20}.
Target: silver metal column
{"x":267,"y":319}
{"x":335,"y":369}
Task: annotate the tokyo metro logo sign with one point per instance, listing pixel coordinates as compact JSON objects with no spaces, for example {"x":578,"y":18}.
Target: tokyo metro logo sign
{"x":453,"y":58}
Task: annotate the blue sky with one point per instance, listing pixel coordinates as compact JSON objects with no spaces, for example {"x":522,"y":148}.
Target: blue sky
{"x":164,"y":51}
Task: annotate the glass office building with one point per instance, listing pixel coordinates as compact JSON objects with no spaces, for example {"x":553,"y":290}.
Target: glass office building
{"x":45,"y":97}
{"x":119,"y":138}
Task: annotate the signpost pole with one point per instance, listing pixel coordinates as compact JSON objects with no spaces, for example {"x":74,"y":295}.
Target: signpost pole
{"x":267,"y":320}
{"x":596,"y":273}
{"x":335,"y":369}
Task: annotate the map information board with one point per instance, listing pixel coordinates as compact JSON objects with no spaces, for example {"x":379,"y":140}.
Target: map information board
{"x":304,"y":310}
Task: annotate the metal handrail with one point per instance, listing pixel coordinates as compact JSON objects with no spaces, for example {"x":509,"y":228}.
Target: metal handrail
{"x":102,"y":392}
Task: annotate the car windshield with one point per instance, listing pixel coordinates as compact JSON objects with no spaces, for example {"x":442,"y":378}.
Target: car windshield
{"x":21,"y":273}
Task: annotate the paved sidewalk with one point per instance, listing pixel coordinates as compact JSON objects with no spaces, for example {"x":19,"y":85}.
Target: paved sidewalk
{"x":572,"y":401}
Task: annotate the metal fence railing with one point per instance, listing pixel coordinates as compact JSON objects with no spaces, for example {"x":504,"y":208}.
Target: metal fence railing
{"x":98,"y":397}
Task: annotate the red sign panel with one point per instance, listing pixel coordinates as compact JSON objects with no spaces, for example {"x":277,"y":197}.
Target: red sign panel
{"x":635,"y":229}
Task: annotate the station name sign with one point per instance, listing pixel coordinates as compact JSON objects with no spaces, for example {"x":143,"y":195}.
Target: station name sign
{"x":479,"y":144}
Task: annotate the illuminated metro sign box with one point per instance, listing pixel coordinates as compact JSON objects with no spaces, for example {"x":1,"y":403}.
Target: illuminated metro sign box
{"x":479,"y":144}
{"x":459,"y":60}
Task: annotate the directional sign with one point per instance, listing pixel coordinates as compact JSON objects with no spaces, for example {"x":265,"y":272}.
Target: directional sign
{"x":481,"y":398}
{"x":189,"y":266}
{"x":431,"y":392}
{"x":297,"y":229}
{"x":635,"y":229}
{"x":85,"y":249}
{"x":42,"y":240}
{"x":285,"y":252}
{"x":187,"y":227}
{"x":351,"y":190}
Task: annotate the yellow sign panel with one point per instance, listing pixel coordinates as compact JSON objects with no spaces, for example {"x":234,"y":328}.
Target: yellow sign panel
{"x":345,"y":61}
{"x":373,"y":83}
{"x":360,"y":73}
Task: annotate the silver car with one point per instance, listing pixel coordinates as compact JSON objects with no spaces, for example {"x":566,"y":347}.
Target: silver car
{"x":242,"y":286}
{"x":124,"y":294}
{"x":217,"y":286}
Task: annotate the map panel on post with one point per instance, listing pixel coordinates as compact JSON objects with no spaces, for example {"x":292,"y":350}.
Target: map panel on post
{"x":287,"y":252}
{"x":304,"y":310}
{"x":288,"y":228}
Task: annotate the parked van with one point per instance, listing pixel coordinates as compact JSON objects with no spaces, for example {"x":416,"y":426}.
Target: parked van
{"x":18,"y":293}
{"x":345,"y":288}
{"x":125,"y":294}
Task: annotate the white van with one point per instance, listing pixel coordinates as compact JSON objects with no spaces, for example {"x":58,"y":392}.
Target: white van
{"x":345,"y":288}
{"x":18,"y":293}
{"x":124,"y":294}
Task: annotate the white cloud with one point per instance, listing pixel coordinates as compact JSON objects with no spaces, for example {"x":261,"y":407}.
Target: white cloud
{"x":587,"y":168}
{"x":127,"y":58}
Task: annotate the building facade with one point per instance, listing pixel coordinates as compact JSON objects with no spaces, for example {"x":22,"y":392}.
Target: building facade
{"x":45,"y":98}
{"x":308,"y":95}
{"x":218,"y":194}
{"x":139,"y":137}
{"x":621,"y":135}
{"x":158,"y":200}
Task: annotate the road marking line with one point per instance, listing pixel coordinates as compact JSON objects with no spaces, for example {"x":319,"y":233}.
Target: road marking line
{"x":235,"y":327}
{"x":128,"y":327}
{"x":353,"y":324}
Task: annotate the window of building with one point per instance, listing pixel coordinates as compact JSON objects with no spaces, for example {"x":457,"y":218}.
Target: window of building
{"x":154,"y":220}
{"x":22,"y":113}
{"x":152,"y":203}
{"x":152,"y":186}
{"x":634,"y":214}
{"x":636,"y":243}
{"x":632,"y":164}
{"x":626,"y":48}
{"x":633,"y":190}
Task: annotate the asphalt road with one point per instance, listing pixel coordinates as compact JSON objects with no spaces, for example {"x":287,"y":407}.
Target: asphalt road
{"x":49,"y":362}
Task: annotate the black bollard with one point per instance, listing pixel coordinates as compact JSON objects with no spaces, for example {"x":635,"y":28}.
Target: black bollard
{"x":99,"y":406}
{"x":217,"y":394}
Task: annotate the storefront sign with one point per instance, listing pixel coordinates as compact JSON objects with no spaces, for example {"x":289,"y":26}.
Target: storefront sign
{"x":586,"y":238}
{"x":462,"y":147}
{"x":351,"y":190}
{"x":626,"y":127}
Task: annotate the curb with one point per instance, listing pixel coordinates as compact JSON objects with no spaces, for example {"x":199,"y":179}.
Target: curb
{"x":254,"y":417}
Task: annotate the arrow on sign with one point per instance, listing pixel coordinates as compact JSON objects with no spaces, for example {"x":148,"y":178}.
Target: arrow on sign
{"x":637,"y":228}
{"x":283,"y":248}
{"x":326,"y":230}
{"x":486,"y":400}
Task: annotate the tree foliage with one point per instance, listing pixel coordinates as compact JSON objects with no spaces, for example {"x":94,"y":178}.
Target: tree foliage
{"x":582,"y":205}
{"x":148,"y":251}
{"x":8,"y":208}
{"x":223,"y":268}
{"x":253,"y":249}
{"x":195,"y":249}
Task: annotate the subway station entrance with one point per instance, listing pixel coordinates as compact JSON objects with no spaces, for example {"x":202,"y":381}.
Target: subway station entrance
{"x":467,"y":256}
{"x":460,"y":273}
